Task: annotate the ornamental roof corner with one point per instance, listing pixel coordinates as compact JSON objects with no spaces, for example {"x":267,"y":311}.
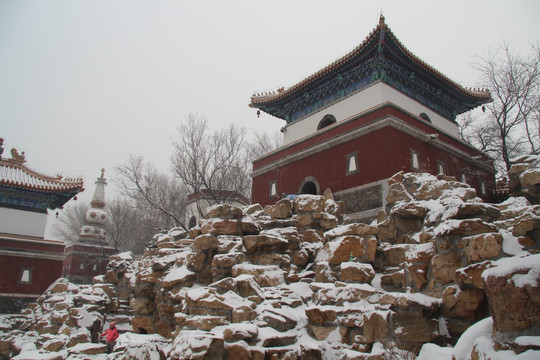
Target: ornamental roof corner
{"x":21,"y":180}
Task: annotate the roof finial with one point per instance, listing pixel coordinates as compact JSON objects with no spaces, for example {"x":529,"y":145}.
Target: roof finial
{"x":381,"y":20}
{"x":16,"y":158}
{"x":99,"y":195}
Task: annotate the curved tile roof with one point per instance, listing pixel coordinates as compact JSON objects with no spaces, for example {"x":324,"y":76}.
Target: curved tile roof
{"x":367,"y":46}
{"x":14,"y":173}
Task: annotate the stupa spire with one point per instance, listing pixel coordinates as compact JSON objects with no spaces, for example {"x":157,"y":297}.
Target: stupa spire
{"x":96,"y":216}
{"x":98,"y":201}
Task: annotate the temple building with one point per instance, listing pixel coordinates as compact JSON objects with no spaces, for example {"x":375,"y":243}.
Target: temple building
{"x":29,"y":262}
{"x":353,"y":124}
{"x":89,"y":255}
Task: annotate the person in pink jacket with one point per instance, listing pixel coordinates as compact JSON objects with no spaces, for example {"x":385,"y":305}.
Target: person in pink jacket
{"x":112,"y":335}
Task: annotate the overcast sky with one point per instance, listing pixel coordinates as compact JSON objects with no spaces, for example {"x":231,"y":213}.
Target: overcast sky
{"x":84,"y":84}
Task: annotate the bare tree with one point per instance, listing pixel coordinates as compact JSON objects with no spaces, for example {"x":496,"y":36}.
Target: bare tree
{"x":125,"y":231}
{"x":213,"y":165}
{"x":69,"y":221}
{"x":510,"y":125}
{"x":158,"y":199}
{"x":263,"y":143}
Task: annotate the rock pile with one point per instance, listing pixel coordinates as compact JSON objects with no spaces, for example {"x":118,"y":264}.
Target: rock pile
{"x":524,"y":178}
{"x":296,"y":281}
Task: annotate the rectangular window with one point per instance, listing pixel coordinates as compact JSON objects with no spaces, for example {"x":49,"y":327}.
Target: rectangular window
{"x":273,"y":189}
{"x":415,"y":160}
{"x":352,"y":164}
{"x":26,"y":276}
{"x":441,"y":167}
{"x":482,"y":188}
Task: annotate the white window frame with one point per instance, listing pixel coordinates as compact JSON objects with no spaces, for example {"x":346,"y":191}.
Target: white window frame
{"x":441,"y":167}
{"x":354,"y":158}
{"x":23,"y":279}
{"x":415,"y":157}
{"x":273,"y":189}
{"x":483,"y":188}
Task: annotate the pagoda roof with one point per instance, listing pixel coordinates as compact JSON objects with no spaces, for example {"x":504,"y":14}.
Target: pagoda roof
{"x":380,"y":57}
{"x":17,"y":176}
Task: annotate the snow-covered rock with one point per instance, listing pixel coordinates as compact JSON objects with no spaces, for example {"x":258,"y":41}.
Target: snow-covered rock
{"x":293,"y":282}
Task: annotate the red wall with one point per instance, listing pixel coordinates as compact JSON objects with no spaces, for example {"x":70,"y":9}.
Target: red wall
{"x":87,"y":255}
{"x":44,"y":271}
{"x":381,"y":154}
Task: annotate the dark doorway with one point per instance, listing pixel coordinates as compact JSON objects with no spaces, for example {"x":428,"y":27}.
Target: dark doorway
{"x":192,"y":222}
{"x":309,"y":188}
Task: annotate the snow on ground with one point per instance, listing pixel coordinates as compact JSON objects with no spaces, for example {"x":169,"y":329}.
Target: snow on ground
{"x":38,"y":355}
{"x":329,"y":249}
{"x":280,"y":232}
{"x":485,"y":345}
{"x":142,"y":346}
{"x":463,"y":347}
{"x":177,"y":273}
{"x":506,"y":266}
{"x":518,"y":202}
{"x":413,"y":252}
{"x":126,"y":256}
{"x":431,"y":351}
{"x":510,"y":245}
{"x":189,"y":343}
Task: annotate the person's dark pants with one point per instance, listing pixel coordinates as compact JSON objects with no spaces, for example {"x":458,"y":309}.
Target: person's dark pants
{"x":110,"y":347}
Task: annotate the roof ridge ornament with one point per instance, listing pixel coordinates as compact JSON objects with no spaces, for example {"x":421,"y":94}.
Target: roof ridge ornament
{"x":382,"y":42}
{"x":16,"y":158}
{"x":382,"y":23}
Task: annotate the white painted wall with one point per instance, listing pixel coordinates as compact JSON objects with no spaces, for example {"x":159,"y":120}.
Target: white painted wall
{"x":366,"y":99}
{"x":18,"y":222}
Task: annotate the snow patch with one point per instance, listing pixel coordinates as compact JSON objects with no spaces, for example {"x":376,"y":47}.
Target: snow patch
{"x":431,"y":351}
{"x":463,"y":348}
{"x":506,"y":266}
{"x":179,"y":273}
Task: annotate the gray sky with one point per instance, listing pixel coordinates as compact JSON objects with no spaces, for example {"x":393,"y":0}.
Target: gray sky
{"x":84,"y":84}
